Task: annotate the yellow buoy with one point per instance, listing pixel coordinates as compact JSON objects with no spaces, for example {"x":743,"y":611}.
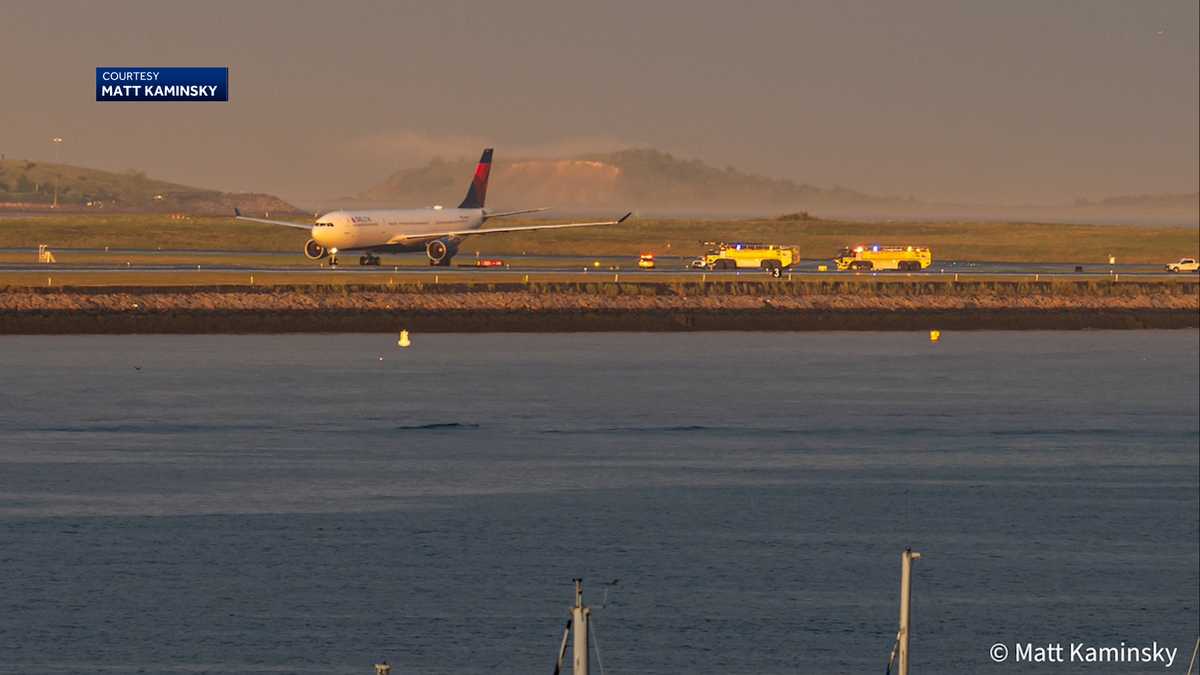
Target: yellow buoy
{"x":404,"y":341}
{"x":935,"y":335}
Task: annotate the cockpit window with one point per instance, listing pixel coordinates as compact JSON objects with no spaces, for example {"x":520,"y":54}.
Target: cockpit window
{"x":324,"y":224}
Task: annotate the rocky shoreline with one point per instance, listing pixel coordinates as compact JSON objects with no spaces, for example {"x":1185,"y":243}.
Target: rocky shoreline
{"x":892,"y":305}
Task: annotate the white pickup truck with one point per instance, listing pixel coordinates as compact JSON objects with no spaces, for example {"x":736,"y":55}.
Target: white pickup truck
{"x":1184,"y":265}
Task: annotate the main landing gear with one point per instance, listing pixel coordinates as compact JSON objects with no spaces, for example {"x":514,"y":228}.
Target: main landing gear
{"x":368,"y":259}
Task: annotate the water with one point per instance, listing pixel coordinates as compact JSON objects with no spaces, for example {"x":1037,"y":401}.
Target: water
{"x":273,"y":504}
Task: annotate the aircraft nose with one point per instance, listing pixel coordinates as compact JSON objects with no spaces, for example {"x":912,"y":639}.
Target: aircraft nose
{"x":324,"y":233}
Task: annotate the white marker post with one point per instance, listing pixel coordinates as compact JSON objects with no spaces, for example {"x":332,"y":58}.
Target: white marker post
{"x":580,"y":616}
{"x":906,"y":561}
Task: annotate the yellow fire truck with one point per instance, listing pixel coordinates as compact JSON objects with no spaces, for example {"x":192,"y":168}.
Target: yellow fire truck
{"x":876,"y":257}
{"x":766,"y":257}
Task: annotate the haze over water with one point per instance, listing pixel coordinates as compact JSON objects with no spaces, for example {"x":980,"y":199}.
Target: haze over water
{"x":295,"y":504}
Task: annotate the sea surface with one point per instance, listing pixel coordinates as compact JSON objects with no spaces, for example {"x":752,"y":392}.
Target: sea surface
{"x":735,"y":502}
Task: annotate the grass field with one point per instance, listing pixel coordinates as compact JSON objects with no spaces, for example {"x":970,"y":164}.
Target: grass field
{"x":1000,"y":242}
{"x":146,"y":231}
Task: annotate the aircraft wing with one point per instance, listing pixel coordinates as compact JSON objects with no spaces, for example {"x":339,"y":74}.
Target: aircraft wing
{"x":238,"y":216}
{"x":501,"y":214}
{"x":492,"y":230}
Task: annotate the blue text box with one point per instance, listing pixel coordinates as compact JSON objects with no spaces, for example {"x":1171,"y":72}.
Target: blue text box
{"x":162,"y":84}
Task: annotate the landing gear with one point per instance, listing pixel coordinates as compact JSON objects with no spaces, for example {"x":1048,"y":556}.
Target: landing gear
{"x":333,"y":258}
{"x":369,"y":259}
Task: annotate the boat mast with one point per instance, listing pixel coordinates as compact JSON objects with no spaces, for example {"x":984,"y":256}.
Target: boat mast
{"x":580,"y":617}
{"x":906,"y":561}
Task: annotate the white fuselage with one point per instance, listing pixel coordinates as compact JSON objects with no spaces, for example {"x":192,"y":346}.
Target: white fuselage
{"x":390,"y":229}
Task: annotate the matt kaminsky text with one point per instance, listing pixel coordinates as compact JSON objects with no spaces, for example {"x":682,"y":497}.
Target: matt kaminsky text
{"x":158,"y":90}
{"x":1082,"y":652}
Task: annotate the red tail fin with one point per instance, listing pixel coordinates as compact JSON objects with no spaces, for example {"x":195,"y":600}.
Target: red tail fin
{"x":477,"y":193}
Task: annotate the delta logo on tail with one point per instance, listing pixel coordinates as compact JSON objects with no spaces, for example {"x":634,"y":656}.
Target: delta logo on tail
{"x":477,"y":193}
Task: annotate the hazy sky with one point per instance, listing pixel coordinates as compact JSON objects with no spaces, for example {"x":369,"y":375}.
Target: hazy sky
{"x":1003,"y":101}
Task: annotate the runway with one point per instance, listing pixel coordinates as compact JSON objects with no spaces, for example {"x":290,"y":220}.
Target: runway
{"x":189,"y":262}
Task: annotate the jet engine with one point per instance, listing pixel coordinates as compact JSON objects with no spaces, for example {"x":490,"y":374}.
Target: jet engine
{"x":440,"y":251}
{"x":314,"y":251}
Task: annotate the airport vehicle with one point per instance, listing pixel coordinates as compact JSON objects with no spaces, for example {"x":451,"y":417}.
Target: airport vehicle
{"x":646,"y":261}
{"x":876,"y":257}
{"x":1184,"y":265}
{"x":743,"y":255}
{"x":438,"y":231}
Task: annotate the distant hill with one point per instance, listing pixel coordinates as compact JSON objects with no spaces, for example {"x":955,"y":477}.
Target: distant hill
{"x":1185,"y":200}
{"x":32,"y":184}
{"x":643,"y":179}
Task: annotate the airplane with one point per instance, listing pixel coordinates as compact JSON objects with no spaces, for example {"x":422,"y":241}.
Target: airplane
{"x":437,"y":230}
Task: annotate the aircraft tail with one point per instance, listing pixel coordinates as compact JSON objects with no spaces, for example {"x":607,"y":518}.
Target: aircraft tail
{"x":478,"y":190}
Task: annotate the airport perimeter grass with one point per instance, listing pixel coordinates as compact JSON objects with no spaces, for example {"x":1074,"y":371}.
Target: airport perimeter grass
{"x":1000,"y":242}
